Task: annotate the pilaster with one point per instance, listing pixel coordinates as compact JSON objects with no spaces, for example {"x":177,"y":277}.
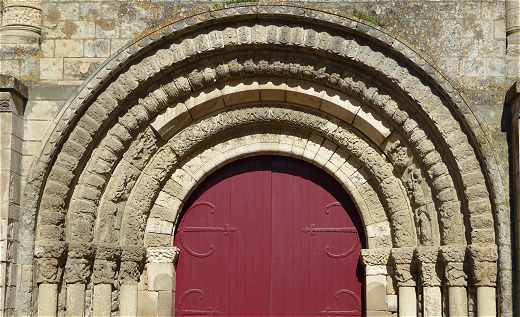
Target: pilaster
{"x":13,"y":97}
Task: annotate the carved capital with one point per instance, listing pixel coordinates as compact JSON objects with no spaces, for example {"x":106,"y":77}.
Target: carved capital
{"x":130,"y":271}
{"x":483,"y":264}
{"x":132,"y":263}
{"x":375,"y":257}
{"x":105,"y":263}
{"x":402,"y":260}
{"x":162,"y":254}
{"x":104,"y":271}
{"x":133,"y":253}
{"x":453,"y":261}
{"x":428,"y":266}
{"x":49,"y":270}
{"x":77,"y":270}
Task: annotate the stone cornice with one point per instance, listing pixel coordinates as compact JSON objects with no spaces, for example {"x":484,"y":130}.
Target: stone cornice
{"x":12,"y":84}
{"x":13,"y":95}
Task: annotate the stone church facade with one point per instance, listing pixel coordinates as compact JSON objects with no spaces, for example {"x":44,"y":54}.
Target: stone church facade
{"x":113,"y":112}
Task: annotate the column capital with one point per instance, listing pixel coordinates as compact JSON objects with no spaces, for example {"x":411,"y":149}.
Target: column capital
{"x":453,"y":260}
{"x":79,"y":262}
{"x":49,"y":254}
{"x":377,"y":256}
{"x":483,"y":264}
{"x":402,"y":260}
{"x":48,"y":270}
{"x":105,"y":263}
{"x":427,"y":258}
{"x":132,"y":260}
{"x":162,"y":254}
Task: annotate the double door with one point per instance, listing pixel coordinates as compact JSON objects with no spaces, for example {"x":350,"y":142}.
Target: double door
{"x":269,"y":236}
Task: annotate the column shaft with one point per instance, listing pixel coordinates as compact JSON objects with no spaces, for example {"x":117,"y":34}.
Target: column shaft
{"x":47,"y":299}
{"x":102,"y":303}
{"x":376,"y":293}
{"x":128,"y":300}
{"x":457,"y":301}
{"x":407,"y":301}
{"x":75,"y":300}
{"x":486,"y":301}
{"x":432,"y":301}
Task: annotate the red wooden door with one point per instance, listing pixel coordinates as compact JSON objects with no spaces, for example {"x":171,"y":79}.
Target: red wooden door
{"x":269,"y":236}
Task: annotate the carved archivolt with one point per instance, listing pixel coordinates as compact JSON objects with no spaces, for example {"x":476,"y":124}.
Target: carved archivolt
{"x":324,"y":153}
{"x":108,"y":100}
{"x":183,"y":143}
{"x":123,"y":151}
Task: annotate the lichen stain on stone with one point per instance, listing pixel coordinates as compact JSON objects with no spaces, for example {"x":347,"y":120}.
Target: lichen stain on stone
{"x":69,"y":28}
{"x":53,"y":15}
{"x":106,"y":25}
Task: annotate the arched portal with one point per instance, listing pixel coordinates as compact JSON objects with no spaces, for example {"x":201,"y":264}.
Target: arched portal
{"x":123,"y":157}
{"x":269,"y":236}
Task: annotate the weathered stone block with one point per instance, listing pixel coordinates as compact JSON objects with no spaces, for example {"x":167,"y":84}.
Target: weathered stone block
{"x":51,"y":68}
{"x":68,"y":48}
{"x":97,"y":48}
{"x":80,"y":68}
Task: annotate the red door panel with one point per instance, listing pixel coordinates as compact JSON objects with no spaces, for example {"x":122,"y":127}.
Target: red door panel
{"x":269,"y":236}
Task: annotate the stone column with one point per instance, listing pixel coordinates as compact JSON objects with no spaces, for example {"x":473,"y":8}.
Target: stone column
{"x":48,"y":254}
{"x":402,"y":260}
{"x":375,"y":261}
{"x":483,"y":259}
{"x":158,"y":300}
{"x":455,"y":279}
{"x":21,"y":21}
{"x":132,"y":259}
{"x":48,"y":276}
{"x":430,"y":281}
{"x":104,"y":276}
{"x":13,"y":96}
{"x":77,"y":272}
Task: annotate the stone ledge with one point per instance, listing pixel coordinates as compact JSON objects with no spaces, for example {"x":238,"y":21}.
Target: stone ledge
{"x":12,"y":84}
